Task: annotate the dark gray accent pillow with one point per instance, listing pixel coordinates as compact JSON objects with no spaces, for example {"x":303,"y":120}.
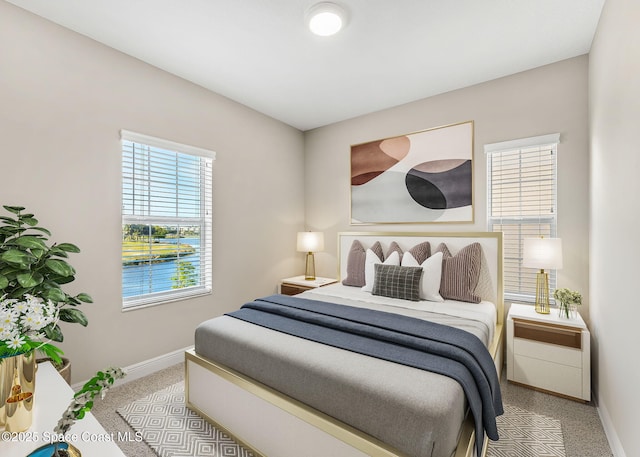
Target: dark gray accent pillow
{"x":395,"y":281}
{"x":355,"y":263}
{"x":460,"y":273}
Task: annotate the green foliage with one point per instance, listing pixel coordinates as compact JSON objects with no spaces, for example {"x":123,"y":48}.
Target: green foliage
{"x":184,"y":275}
{"x":29,"y":265}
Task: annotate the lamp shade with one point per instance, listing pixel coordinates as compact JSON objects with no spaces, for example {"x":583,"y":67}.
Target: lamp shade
{"x":542,"y":253}
{"x":310,"y":241}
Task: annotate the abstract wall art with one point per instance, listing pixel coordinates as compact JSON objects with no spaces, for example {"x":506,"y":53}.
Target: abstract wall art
{"x":422,"y":177}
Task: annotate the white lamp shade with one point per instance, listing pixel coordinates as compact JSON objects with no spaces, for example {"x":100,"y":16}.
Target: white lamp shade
{"x":542,"y":253}
{"x":310,"y":241}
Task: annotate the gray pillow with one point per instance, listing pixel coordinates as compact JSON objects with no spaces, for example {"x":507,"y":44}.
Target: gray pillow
{"x":355,"y":263}
{"x":395,"y":281}
{"x":393,"y":247}
{"x":421,"y":252}
{"x":460,"y":273}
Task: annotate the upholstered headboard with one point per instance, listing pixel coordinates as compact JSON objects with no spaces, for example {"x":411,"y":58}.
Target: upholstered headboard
{"x":490,"y":286}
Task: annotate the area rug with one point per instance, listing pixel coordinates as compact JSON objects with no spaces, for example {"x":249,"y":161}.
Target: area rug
{"x":527,"y":434}
{"x":173,"y":430}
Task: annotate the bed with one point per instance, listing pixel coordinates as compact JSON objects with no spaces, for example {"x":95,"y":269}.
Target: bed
{"x":281,"y":395}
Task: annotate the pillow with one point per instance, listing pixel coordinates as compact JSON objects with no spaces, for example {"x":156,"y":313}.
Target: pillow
{"x":431,"y":274}
{"x":421,"y":252}
{"x":460,"y":273}
{"x":395,"y":281}
{"x":369,"y":271}
{"x":356,"y":261}
{"x":393,"y":247}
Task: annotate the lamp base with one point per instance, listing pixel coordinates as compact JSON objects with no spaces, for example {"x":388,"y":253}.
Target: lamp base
{"x":542,"y":293}
{"x":310,"y":269}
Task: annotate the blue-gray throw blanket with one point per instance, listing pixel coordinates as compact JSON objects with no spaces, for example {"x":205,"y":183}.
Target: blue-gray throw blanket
{"x":405,"y":340}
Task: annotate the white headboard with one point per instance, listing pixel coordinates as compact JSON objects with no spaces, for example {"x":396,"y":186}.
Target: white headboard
{"x":491,"y":270}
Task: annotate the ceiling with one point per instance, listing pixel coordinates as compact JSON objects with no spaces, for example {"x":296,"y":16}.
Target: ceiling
{"x":259,"y":53}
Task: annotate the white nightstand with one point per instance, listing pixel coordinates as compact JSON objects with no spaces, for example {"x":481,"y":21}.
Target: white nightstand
{"x":549,"y":353}
{"x":297,"y":284}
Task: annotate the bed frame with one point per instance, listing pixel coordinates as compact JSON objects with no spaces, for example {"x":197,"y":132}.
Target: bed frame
{"x":275,"y":425}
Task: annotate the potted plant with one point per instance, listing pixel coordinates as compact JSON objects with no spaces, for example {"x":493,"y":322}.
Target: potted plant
{"x":568,"y":301}
{"x":32,"y":273}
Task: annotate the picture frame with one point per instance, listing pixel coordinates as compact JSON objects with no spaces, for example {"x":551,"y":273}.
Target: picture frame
{"x":420,"y":177}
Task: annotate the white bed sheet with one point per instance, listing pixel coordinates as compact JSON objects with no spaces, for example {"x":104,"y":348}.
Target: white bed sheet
{"x":484,"y":312}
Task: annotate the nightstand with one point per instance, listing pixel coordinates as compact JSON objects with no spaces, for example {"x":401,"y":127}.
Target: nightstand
{"x":297,"y":284}
{"x":548,"y":353}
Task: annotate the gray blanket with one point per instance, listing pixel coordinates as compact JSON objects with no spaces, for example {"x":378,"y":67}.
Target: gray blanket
{"x":400,"y":339}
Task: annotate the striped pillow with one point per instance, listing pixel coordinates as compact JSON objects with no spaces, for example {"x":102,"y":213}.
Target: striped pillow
{"x":460,"y":273}
{"x":395,"y":281}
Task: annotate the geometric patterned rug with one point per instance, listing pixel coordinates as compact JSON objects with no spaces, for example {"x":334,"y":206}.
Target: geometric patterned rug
{"x":527,"y":434}
{"x":173,"y":430}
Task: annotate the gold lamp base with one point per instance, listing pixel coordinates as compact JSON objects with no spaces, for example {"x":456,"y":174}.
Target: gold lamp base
{"x":310,"y":269}
{"x":542,"y":293}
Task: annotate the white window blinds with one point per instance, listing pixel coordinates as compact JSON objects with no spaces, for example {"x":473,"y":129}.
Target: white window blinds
{"x":166,"y":220}
{"x":522,"y":203}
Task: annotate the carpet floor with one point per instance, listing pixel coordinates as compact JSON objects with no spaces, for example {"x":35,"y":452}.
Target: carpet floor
{"x":580,"y":430}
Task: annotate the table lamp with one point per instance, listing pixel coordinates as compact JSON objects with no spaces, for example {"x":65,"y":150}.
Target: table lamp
{"x":542,"y":253}
{"x":310,"y":242}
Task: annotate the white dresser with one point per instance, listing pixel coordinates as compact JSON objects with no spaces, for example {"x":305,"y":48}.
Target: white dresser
{"x":549,"y":353}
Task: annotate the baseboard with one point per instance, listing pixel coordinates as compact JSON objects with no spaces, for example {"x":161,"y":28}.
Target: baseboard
{"x":147,"y":367}
{"x":609,"y":430}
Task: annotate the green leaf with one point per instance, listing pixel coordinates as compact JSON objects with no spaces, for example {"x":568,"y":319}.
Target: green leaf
{"x":30,"y":279}
{"x":53,"y":332}
{"x":85,"y":298}
{"x":52,"y":352}
{"x":14,"y":209}
{"x":60,"y":267}
{"x":30,"y":242}
{"x":55,"y":294}
{"x":73,"y":315}
{"x":68,"y":247}
{"x":16,"y":257}
{"x":4,"y":282}
{"x":44,"y":230}
{"x":30,"y":221}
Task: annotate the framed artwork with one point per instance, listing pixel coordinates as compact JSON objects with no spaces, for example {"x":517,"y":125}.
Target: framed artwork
{"x":422,"y":177}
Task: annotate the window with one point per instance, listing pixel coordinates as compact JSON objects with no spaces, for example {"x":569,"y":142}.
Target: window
{"x":166,"y":220}
{"x":521,"y":203}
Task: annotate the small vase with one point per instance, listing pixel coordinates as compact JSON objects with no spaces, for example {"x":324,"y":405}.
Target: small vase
{"x":17,"y":388}
{"x":568,"y":310}
{"x":58,"y":449}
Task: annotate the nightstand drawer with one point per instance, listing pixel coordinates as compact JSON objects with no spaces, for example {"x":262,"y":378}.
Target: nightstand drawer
{"x":546,"y":333}
{"x":550,"y":352}
{"x":290,"y":289}
{"x":562,"y":379}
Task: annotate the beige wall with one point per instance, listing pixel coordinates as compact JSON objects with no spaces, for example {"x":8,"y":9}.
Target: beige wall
{"x":614,"y":97}
{"x":63,"y":100}
{"x":549,"y":99}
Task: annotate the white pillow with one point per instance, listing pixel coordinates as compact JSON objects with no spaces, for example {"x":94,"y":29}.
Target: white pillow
{"x":431,"y":275}
{"x":369,"y":271}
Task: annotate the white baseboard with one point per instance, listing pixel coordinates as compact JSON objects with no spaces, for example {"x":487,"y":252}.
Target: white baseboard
{"x":610,"y":431}
{"x":147,"y":367}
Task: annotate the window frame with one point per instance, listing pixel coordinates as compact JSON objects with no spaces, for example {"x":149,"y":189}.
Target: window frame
{"x":204,"y":220}
{"x":526,"y":276}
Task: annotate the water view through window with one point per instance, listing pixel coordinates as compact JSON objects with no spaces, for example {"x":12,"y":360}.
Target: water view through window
{"x":159,"y":258}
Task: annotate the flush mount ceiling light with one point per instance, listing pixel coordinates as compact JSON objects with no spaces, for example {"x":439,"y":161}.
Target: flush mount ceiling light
{"x":326,"y":18}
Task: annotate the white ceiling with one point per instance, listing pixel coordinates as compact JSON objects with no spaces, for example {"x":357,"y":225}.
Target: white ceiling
{"x":259,"y":53}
